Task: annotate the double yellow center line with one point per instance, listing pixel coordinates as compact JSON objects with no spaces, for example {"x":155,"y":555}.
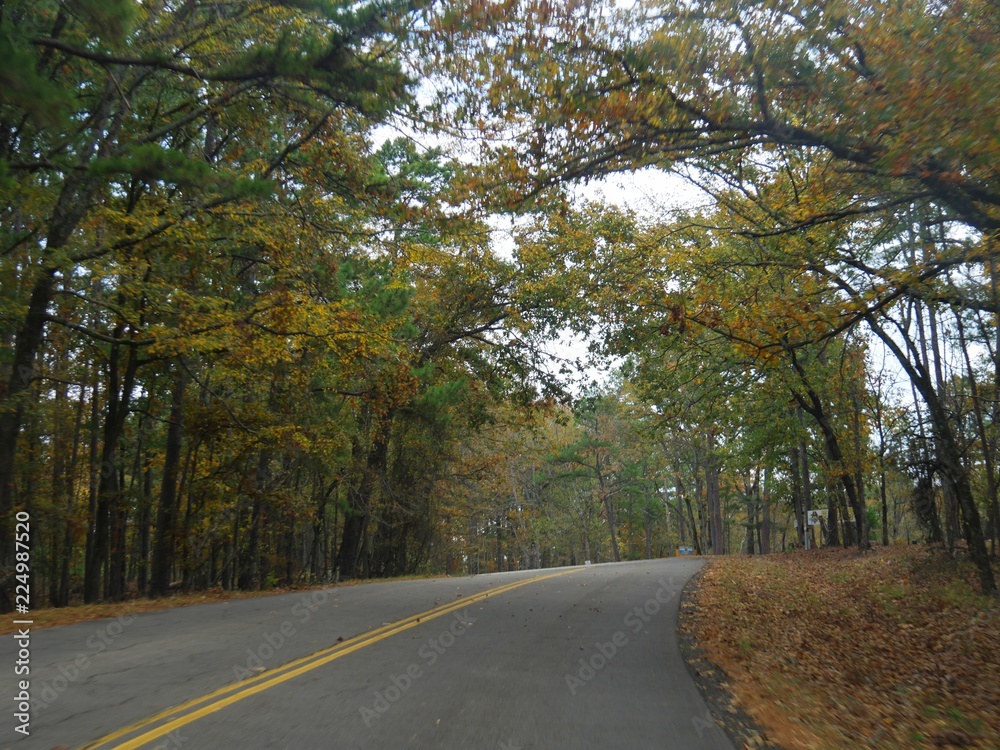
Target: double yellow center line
{"x":165,"y":722}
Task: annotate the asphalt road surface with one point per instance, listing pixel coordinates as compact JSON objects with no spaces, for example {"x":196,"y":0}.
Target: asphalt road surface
{"x":581,"y":657}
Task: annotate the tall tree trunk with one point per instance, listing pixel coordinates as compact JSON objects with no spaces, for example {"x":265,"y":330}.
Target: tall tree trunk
{"x":696,"y":540}
{"x":498,"y":553}
{"x":649,"y":534}
{"x":977,"y":410}
{"x":885,"y":505}
{"x":145,"y":522}
{"x":472,"y":551}
{"x":107,"y":514}
{"x":843,"y":510}
{"x":880,"y":426}
{"x":753,"y":510}
{"x":995,"y":294}
{"x":699,"y":494}
{"x":765,"y":521}
{"x":609,"y":512}
{"x":251,"y":565}
{"x":950,"y":460}
{"x":812,"y":404}
{"x":61,"y":487}
{"x":67,"y":556}
{"x":713,"y":496}
{"x":680,"y":512}
{"x":317,"y":552}
{"x":93,"y":455}
{"x":859,"y":474}
{"x":807,"y":501}
{"x":165,"y":541}
{"x":607,"y":499}
{"x":798,"y":505}
{"x":932,"y":362}
{"x":73,"y":203}
{"x":22,"y":369}
{"x":360,"y":497}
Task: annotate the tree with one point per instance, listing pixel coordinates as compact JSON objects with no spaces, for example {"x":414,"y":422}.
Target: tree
{"x":808,"y":114}
{"x":117,"y":128}
{"x":587,"y":89}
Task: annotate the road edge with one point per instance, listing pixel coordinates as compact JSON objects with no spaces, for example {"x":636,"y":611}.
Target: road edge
{"x":711,"y":679}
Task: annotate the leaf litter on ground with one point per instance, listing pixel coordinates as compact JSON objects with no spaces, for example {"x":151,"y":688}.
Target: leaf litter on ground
{"x":834,"y":648}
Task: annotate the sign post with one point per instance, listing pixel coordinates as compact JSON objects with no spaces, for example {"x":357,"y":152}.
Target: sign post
{"x":814,"y":518}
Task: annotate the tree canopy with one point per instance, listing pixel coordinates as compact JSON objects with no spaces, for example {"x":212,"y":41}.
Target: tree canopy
{"x":259,"y":326}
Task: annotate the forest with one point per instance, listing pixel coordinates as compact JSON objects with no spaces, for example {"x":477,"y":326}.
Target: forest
{"x":259,"y":326}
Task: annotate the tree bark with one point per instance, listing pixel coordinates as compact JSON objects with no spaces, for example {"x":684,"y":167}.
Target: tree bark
{"x":107,"y":515}
{"x":765,"y":521}
{"x":798,"y":505}
{"x":359,"y":507}
{"x":812,"y":404}
{"x":714,"y":497}
{"x":977,"y":410}
{"x":26,"y":347}
{"x":165,"y":543}
{"x":949,"y":458}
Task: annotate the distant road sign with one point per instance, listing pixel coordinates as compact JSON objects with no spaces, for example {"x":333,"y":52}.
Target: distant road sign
{"x":816,"y":517}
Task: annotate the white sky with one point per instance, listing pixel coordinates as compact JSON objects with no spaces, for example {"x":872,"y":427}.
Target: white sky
{"x":648,"y":192}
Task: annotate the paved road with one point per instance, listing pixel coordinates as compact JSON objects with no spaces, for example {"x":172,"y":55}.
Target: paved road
{"x":572,"y":658}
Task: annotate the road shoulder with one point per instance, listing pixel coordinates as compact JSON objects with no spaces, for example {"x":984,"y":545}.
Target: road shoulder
{"x":711,"y":680}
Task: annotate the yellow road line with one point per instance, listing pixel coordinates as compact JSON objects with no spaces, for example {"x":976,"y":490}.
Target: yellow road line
{"x":226,"y":696}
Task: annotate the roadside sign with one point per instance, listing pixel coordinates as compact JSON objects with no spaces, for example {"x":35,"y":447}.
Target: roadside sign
{"x":816,"y":517}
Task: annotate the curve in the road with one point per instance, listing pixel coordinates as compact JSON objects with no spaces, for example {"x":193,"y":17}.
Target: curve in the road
{"x":141,"y":733}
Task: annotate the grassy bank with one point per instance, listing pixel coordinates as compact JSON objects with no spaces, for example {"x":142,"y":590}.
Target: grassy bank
{"x":834,"y":649}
